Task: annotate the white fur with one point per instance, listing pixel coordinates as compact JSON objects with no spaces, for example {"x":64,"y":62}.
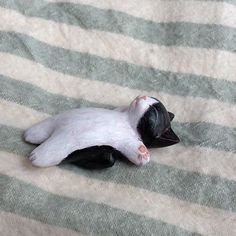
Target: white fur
{"x":81,"y":128}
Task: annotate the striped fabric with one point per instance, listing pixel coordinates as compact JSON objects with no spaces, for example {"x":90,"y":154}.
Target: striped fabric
{"x":57,"y":55}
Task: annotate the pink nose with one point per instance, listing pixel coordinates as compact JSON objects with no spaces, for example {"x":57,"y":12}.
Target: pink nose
{"x":139,"y":98}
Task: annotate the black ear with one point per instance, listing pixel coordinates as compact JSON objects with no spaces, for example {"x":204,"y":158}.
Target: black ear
{"x":167,"y":139}
{"x":171,"y":115}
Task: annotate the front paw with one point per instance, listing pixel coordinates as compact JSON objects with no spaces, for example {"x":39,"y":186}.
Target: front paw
{"x":143,"y":155}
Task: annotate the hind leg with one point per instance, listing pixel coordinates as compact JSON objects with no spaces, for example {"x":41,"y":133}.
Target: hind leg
{"x":53,"y":150}
{"x":40,"y":132}
{"x":95,"y":157}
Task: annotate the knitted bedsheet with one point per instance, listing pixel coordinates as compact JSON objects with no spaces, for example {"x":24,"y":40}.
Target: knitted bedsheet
{"x":58,"y":55}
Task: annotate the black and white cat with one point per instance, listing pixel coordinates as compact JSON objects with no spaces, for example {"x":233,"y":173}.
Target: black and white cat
{"x":90,"y":137}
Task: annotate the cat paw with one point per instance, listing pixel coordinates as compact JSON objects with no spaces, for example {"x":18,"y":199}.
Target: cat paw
{"x":40,"y":160}
{"x":143,"y":155}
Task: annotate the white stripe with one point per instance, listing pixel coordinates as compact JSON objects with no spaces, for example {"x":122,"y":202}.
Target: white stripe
{"x":220,"y":64}
{"x":197,"y":159}
{"x":12,"y":224}
{"x":186,"y":109}
{"x":189,"y":216}
{"x":19,"y":116}
{"x":170,"y":11}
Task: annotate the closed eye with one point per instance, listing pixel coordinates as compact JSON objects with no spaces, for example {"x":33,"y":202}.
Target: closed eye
{"x":166,"y":129}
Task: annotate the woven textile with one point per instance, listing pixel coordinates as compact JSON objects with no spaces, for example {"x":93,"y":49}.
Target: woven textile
{"x":58,"y":55}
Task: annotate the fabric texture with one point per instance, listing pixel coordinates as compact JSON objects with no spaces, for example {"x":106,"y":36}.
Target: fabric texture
{"x":56,"y":55}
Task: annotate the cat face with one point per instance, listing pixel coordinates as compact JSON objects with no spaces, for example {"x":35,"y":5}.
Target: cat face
{"x":152,"y":121}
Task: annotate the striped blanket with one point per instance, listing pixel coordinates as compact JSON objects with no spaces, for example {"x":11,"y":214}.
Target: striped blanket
{"x":56,"y":55}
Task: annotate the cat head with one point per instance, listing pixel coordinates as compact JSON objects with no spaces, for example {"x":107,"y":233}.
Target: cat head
{"x":152,"y":121}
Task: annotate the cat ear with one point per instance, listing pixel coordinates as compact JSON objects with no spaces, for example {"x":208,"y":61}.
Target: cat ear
{"x":171,"y":115}
{"x":167,"y":139}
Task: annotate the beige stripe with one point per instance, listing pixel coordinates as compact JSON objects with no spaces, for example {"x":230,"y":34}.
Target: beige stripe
{"x":170,"y":11}
{"x":19,"y":116}
{"x":15,"y":225}
{"x":198,"y":159}
{"x":195,"y":109}
{"x":220,"y":64}
{"x":189,"y":216}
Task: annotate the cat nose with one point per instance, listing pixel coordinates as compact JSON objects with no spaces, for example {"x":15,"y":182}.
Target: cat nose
{"x":139,"y":98}
{"x":142,"y":97}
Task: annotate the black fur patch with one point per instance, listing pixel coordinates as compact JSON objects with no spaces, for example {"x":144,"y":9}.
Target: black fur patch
{"x":154,"y":122}
{"x":95,"y":157}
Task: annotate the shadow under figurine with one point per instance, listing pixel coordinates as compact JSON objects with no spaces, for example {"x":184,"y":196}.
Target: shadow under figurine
{"x":93,"y":138}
